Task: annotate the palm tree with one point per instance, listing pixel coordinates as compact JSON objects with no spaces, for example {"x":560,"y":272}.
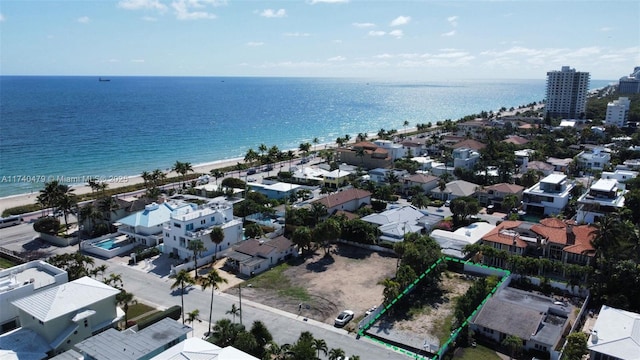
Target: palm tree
{"x":198,"y":248}
{"x":125,"y":298}
{"x":108,"y":205}
{"x":234,"y":311}
{"x":67,"y":203}
{"x":217,"y":173}
{"x":183,"y":279}
{"x":193,"y":316}
{"x":212,"y":280}
{"x":336,"y":354}
{"x":360,"y":152}
{"x":320,"y":345}
{"x":354,"y":357}
{"x":217,"y":236}
{"x":405,"y":124}
{"x":224,"y":332}
{"x":89,"y":213}
{"x":251,"y":156}
{"x":305,"y":147}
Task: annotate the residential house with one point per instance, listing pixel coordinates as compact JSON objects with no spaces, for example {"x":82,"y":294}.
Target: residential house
{"x":337,"y":178}
{"x":253,"y":256}
{"x":196,"y":224}
{"x":347,"y":200}
{"x":145,"y":226}
{"x":194,"y":348}
{"x":415,"y":146}
{"x":309,"y":175}
{"x":131,"y":345}
{"x":522,"y":159}
{"x":455,"y":189}
{"x":54,"y":320}
{"x":426,"y":163}
{"x":471,"y":144}
{"x":381,"y":175}
{"x":396,"y":151}
{"x":632,"y":164}
{"x":615,"y":335}
{"x":365,"y":154}
{"x":552,"y":238}
{"x":620,"y":175}
{"x":604,"y":197}
{"x":424,"y":181}
{"x":535,"y":318}
{"x":453,"y":243}
{"x":465,"y":158}
{"x":541,"y":167}
{"x":593,"y":160}
{"x":495,"y":194}
{"x":275,"y":190}
{"x":23,"y":280}
{"x":560,"y":165}
{"x":472,"y":129}
{"x":549,"y":196}
{"x":396,"y":222}
{"x":517,"y":140}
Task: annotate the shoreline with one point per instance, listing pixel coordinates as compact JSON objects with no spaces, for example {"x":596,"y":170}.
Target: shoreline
{"x":11,"y":201}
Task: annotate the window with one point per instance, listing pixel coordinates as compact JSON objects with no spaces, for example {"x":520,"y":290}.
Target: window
{"x":182,"y":242}
{"x":203,"y":221}
{"x":177,"y":225}
{"x":189,"y":227}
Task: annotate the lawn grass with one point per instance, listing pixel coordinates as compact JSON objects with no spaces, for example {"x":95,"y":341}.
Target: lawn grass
{"x":139,"y":309}
{"x":442,"y":329}
{"x":477,"y":353}
{"x":274,"y":279}
{"x":5,"y":263}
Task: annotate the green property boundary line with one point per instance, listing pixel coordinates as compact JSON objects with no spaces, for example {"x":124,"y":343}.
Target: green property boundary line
{"x":454,"y":334}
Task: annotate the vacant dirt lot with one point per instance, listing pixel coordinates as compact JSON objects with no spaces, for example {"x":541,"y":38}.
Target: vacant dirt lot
{"x":346,"y":279}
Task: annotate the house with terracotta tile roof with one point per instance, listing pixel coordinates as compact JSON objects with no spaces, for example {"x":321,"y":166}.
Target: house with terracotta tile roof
{"x":471,"y":144}
{"x":539,"y":166}
{"x":516,"y":140}
{"x":347,"y":200}
{"x":552,"y":238}
{"x":365,"y":154}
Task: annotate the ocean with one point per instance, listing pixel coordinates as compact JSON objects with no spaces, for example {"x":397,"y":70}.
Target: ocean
{"x":80,"y":127}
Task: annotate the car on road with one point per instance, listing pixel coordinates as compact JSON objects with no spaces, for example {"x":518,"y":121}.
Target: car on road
{"x":251,"y":179}
{"x":251,"y":171}
{"x":343,"y":318}
{"x":447,"y":203}
{"x":370,"y":310}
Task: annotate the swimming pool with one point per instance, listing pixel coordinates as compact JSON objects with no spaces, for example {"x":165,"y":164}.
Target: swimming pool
{"x":107,"y":244}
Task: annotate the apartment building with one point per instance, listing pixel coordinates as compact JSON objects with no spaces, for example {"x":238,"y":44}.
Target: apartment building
{"x":566,"y":95}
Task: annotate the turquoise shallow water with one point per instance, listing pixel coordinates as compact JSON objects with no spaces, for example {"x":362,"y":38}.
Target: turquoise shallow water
{"x":78,"y":127}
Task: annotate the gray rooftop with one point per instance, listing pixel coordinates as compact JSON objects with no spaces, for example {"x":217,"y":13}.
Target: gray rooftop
{"x":130,"y":345}
{"x":526,"y":315}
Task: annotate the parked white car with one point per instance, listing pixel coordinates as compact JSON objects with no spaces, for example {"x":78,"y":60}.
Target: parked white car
{"x":344,"y":318}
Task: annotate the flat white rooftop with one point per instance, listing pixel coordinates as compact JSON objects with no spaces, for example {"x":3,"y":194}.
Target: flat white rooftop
{"x":554,"y":179}
{"x":605,"y":185}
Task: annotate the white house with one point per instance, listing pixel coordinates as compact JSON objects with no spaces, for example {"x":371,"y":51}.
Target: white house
{"x":453,"y":242}
{"x":381,"y":175}
{"x":615,"y":335}
{"x":425,"y":162}
{"x":146,"y":226}
{"x":21,"y":281}
{"x":522,"y":159}
{"x":194,"y":348}
{"x":395,"y":223}
{"x":619,"y":175}
{"x":396,"y":151}
{"x":56,"y":319}
{"x":424,"y":181}
{"x":603,"y":197}
{"x":196,"y":224}
{"x":593,"y":160}
{"x":465,"y":158}
{"x":549,"y":196}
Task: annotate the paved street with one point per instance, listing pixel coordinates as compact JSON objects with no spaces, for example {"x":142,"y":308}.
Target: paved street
{"x":150,"y":283}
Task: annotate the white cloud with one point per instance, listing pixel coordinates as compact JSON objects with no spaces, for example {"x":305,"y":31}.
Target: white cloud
{"x":137,"y":60}
{"x":450,"y":33}
{"x":142,"y":5}
{"x":113,"y":60}
{"x":2,"y":18}
{"x":363,"y":25}
{"x":149,"y":18}
{"x":313,"y":2}
{"x":270,"y":13}
{"x":337,"y":41}
{"x":296,"y":34}
{"x":83,"y":20}
{"x":377,"y":33}
{"x":384,"y":56}
{"x":453,"y":20}
{"x":605,"y":29}
{"x":337,"y":58}
{"x":400,"y":20}
{"x":255,"y":43}
{"x":183,"y":9}
{"x":397,"y":33}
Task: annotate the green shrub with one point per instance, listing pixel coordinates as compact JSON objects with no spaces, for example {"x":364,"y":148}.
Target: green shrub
{"x":173,"y":312}
{"x":47,"y":225}
{"x":19,"y":210}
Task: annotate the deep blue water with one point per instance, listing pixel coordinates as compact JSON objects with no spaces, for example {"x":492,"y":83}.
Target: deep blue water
{"x":78,"y":126}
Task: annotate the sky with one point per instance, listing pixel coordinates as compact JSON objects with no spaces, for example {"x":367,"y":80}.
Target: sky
{"x":419,"y":39}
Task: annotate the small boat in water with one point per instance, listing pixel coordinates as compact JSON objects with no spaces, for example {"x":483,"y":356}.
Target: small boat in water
{"x":102,"y":79}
